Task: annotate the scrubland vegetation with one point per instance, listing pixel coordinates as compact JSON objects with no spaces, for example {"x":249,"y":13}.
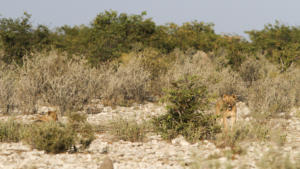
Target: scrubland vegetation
{"x":51,"y":136}
{"x":124,"y":59}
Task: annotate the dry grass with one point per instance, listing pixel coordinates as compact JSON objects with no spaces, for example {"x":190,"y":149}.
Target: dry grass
{"x":55,"y":80}
{"x":8,"y":79}
{"x":251,"y":71}
{"x":275,"y":159}
{"x":128,"y":129}
{"x":126,"y":84}
{"x":11,"y":131}
{"x":252,"y":131}
{"x":272,"y":96}
{"x":69,"y":84}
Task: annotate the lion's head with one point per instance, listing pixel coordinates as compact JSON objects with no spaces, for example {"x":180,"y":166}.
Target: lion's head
{"x":229,"y":100}
{"x":53,"y":115}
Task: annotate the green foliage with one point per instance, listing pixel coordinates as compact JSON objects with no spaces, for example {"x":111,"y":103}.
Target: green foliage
{"x":11,"y":131}
{"x":51,"y":137}
{"x":280,"y":42}
{"x":197,"y":35}
{"x":73,"y":40}
{"x":187,"y":100}
{"x":237,"y":51}
{"x":85,"y":132}
{"x":19,"y":38}
{"x":57,"y":138}
{"x":112,"y":34}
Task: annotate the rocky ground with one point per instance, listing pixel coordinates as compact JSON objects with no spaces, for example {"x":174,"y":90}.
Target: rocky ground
{"x":154,"y":153}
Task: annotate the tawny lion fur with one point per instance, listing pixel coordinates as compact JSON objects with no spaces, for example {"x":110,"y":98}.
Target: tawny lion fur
{"x":226,"y":107}
{"x":50,"y":116}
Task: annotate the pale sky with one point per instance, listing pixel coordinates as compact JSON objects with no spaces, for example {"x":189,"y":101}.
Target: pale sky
{"x":229,"y":16}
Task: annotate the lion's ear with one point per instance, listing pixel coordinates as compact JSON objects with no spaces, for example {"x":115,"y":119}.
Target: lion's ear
{"x":225,"y":96}
{"x":234,"y":96}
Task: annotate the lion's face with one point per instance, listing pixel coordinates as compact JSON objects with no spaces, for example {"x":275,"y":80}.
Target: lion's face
{"x":53,"y":115}
{"x":229,"y":100}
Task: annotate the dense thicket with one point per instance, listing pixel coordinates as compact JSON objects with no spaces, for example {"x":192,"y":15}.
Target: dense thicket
{"x":110,"y":35}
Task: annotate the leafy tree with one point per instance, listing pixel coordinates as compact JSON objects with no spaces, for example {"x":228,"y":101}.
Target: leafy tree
{"x":197,"y":35}
{"x":112,"y":34}
{"x":279,"y":42}
{"x":42,"y":38}
{"x":16,"y":37}
{"x":73,"y":40}
{"x":237,"y":49}
{"x":19,"y":38}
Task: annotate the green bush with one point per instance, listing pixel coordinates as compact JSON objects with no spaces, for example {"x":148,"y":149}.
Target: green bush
{"x":187,"y":100}
{"x":51,"y":137}
{"x":85,"y":131}
{"x":11,"y":131}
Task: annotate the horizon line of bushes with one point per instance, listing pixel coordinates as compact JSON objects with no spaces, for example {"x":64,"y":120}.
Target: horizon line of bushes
{"x":110,"y":35}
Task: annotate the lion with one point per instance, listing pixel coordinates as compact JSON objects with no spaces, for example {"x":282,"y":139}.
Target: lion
{"x":226,"y":108}
{"x":50,"y":116}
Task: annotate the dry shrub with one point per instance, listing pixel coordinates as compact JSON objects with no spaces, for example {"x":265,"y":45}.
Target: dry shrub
{"x":198,"y":64}
{"x":251,"y":70}
{"x":272,"y":92}
{"x":128,"y":129}
{"x":252,"y":131}
{"x":272,"y":96}
{"x":55,"y":80}
{"x":152,"y":61}
{"x":243,"y":131}
{"x":293,"y":74}
{"x":218,"y":79}
{"x":70,"y":83}
{"x":129,"y":83}
{"x":275,"y":159}
{"x":8,"y":79}
{"x":231,"y":83}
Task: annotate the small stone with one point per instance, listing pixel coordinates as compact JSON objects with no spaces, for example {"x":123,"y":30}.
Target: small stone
{"x":180,"y":141}
{"x":107,"y":163}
